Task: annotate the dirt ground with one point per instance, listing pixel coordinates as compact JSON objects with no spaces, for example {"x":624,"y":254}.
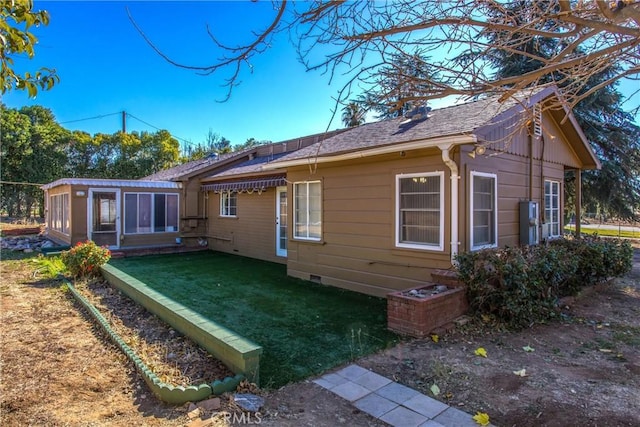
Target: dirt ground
{"x":57,"y":368}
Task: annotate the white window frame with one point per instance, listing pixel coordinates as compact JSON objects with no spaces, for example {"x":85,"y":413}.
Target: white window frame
{"x":494,"y":176}
{"x":59,"y":212}
{"x":548,"y":210}
{"x":153,"y":210}
{"x":225,"y":204}
{"x":398,"y":225}
{"x":307,"y":235}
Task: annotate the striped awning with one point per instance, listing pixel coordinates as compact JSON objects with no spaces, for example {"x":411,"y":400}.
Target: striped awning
{"x":248,"y":185}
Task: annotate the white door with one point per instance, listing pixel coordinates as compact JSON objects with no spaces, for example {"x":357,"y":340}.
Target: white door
{"x":103,"y":217}
{"x":281,"y":221}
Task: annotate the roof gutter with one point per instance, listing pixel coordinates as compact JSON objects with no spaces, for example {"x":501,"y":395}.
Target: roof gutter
{"x":455,"y":177}
{"x":450,"y":141}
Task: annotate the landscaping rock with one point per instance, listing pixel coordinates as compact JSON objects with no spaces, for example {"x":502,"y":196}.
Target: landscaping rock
{"x":249,"y":402}
{"x":209,"y":404}
{"x":26,"y":243}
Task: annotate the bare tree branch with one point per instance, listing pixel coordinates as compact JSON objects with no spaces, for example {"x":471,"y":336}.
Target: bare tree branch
{"x":354,"y":40}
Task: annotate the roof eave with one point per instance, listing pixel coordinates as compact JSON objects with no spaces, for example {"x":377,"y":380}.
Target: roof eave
{"x":97,"y":182}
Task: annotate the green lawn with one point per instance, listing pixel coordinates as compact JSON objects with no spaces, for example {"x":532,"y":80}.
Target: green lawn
{"x":626,"y":234}
{"x":304,"y":328}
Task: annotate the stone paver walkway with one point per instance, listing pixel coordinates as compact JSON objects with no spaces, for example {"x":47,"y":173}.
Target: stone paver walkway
{"x":391,"y":402}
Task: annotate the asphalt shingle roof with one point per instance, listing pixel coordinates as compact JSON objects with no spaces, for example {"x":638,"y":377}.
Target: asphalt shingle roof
{"x":455,"y":120}
{"x":186,"y":169}
{"x":250,"y":166}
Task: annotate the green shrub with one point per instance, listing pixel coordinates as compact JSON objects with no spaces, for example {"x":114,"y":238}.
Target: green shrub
{"x":49,"y":267}
{"x":520,"y":286}
{"x":597,"y":258}
{"x":504,"y":283}
{"x":85,"y":259}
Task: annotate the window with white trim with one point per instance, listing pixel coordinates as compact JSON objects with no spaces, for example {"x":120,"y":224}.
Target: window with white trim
{"x":420,"y":211}
{"x":307,"y":210}
{"x":484,"y":210}
{"x":150,"y":213}
{"x":228,"y":203}
{"x":552,"y":207}
{"x":59,"y":213}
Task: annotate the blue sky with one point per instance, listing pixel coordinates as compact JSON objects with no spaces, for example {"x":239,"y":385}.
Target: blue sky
{"x":106,"y":67}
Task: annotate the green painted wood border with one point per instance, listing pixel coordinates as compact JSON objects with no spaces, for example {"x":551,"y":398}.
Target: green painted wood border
{"x":176,"y":395}
{"x":239,"y":354}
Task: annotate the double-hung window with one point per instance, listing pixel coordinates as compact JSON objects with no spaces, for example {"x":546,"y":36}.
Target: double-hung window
{"x":150,"y":213}
{"x":552,"y":207}
{"x":307,"y":210}
{"x":420,"y":211}
{"x":59,"y":213}
{"x":484,"y":210}
{"x":228,"y":203}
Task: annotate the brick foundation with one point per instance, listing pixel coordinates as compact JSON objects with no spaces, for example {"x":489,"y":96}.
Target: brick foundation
{"x":417,"y":317}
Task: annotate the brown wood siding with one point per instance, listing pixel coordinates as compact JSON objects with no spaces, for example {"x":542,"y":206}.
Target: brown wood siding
{"x":148,"y":239}
{"x":79,"y":214}
{"x":513,"y":173}
{"x":191,"y":200}
{"x":252,"y":233}
{"x":357,"y":250}
{"x":514,"y":139}
{"x":56,"y":235}
{"x":556,"y":150}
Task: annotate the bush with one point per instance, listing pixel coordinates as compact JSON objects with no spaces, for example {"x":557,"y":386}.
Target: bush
{"x":85,"y":259}
{"x":598,"y":259}
{"x":49,"y":267}
{"x":520,"y":286}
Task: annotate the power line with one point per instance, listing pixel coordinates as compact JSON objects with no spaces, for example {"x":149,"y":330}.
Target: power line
{"x":90,"y":118}
{"x":187,"y":142}
{"x":157,"y":128}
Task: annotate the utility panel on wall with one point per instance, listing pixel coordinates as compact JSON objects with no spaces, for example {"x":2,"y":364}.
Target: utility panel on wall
{"x":529,"y":223}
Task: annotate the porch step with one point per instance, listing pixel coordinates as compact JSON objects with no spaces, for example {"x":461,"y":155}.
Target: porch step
{"x":446,"y":277}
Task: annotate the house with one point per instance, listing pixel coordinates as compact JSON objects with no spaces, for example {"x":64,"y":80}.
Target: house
{"x":166,"y":209}
{"x":378,"y":207}
{"x":375,"y":208}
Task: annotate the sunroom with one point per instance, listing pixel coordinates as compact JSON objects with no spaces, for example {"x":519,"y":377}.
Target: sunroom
{"x":114,"y":213}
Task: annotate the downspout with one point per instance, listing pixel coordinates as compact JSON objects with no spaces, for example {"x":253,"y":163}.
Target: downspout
{"x":455,"y":177}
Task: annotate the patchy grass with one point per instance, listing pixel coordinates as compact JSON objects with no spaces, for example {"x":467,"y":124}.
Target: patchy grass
{"x":304,"y":328}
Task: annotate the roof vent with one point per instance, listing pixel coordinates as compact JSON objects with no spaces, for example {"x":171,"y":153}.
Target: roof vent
{"x":537,"y":120}
{"x":213,"y":156}
{"x":417,"y":113}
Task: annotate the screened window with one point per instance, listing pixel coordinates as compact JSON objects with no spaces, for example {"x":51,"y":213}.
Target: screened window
{"x":150,"y":213}
{"x":228,"y":203}
{"x":552,"y":207}
{"x":307,"y":210}
{"x":59,"y":213}
{"x":420,"y":213}
{"x":484,"y":210}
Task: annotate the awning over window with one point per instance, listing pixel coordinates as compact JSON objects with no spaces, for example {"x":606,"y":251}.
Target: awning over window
{"x":248,"y":185}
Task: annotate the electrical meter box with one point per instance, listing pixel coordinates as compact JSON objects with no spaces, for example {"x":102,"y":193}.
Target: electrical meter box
{"x":529,"y":223}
